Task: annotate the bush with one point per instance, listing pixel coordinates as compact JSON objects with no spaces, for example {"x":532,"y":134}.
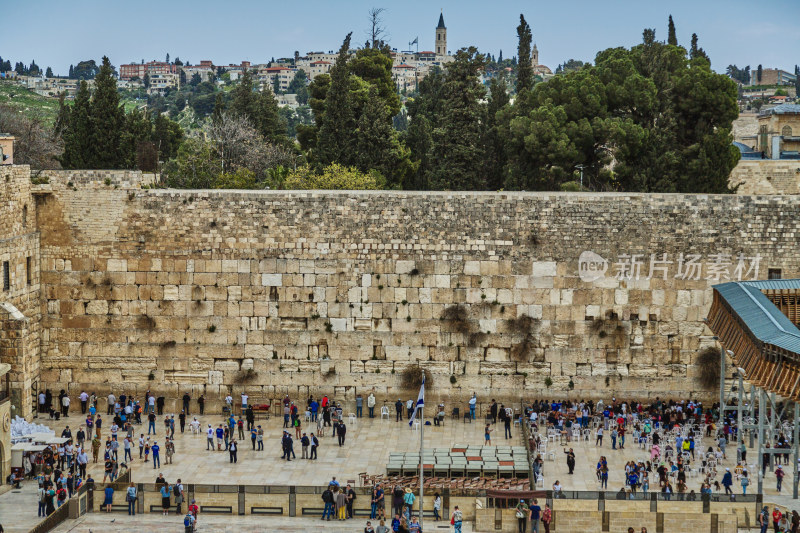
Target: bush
{"x":333,"y":177}
{"x":411,"y":378}
{"x":548,"y":382}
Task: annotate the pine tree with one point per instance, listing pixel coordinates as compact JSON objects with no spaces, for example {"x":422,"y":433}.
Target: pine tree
{"x":377,"y":146}
{"x":672,"y":38}
{"x":268,"y":120}
{"x":524,"y":68}
{"x":108,"y":120}
{"x":244,"y":102}
{"x":219,"y":109}
{"x":78,"y":133}
{"x":335,"y":137}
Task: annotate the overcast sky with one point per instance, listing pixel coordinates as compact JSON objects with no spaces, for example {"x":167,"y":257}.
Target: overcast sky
{"x":58,"y":33}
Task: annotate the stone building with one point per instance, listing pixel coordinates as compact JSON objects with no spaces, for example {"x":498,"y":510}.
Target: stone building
{"x":779,"y":132}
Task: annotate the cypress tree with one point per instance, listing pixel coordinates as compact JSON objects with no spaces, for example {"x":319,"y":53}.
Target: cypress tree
{"x":71,"y":72}
{"x":672,"y":38}
{"x":458,"y":138}
{"x":62,"y":119}
{"x":759,"y":72}
{"x":524,"y":68}
{"x":108,"y":120}
{"x":797,"y":79}
{"x":335,"y":137}
{"x":78,"y":132}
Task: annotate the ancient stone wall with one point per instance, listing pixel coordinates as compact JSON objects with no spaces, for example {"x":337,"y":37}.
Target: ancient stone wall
{"x":20,"y":305}
{"x":766,"y":176}
{"x":276,"y":291}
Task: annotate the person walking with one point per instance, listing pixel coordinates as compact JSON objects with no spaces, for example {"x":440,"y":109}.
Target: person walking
{"x":547,"y":517}
{"x":727,"y":481}
{"x":507,"y":425}
{"x":260,"y":439}
{"x":487,"y":435}
{"x":240,"y":427}
{"x":779,"y":473}
{"x":151,"y":423}
{"x":341,"y":433}
{"x":233,"y":447}
{"x":314,"y":446}
{"x":456,"y":519}
{"x":130,"y":498}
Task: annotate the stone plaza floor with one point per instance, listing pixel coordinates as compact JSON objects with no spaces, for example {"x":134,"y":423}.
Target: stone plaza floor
{"x":155,"y":523}
{"x":367,"y":448}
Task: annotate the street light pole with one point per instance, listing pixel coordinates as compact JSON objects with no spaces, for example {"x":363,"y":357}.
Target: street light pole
{"x":581,"y":167}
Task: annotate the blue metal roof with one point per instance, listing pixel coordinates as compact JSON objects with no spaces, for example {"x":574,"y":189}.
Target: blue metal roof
{"x":785,"y":108}
{"x":759,"y":314}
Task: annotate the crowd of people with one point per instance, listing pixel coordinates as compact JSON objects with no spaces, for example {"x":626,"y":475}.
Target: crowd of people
{"x":678,"y":439}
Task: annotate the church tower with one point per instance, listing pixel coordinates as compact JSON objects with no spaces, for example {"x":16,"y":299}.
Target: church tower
{"x":441,"y":37}
{"x":535,"y":56}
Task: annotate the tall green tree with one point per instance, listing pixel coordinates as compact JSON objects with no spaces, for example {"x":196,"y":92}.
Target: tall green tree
{"x":524,"y":67}
{"x":797,"y":80}
{"x":458,"y":137}
{"x":78,"y":134}
{"x":299,"y":87}
{"x":378,"y":147}
{"x":49,"y":72}
{"x":219,"y":108}
{"x":138,"y":130}
{"x":672,"y":37}
{"x":268,"y":120}
{"x":107,"y":118}
{"x":759,"y":73}
{"x":424,"y":111}
{"x":495,"y":160}
{"x":335,"y":138}
{"x":244,"y":102}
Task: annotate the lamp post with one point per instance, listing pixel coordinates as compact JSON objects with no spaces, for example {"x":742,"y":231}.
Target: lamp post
{"x":581,"y":167}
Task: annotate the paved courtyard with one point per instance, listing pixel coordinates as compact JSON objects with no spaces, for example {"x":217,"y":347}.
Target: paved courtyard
{"x":369,"y":442}
{"x":155,"y":523}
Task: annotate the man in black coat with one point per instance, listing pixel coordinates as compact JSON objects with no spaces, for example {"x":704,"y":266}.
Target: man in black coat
{"x":341,"y":433}
{"x":398,"y":407}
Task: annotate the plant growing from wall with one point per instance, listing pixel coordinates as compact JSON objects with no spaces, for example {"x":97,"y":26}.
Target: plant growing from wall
{"x":707,"y":364}
{"x":145,"y":322}
{"x":548,"y":382}
{"x":411,"y":378}
{"x":524,"y":329}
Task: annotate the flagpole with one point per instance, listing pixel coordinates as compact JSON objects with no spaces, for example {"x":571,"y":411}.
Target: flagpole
{"x":421,"y":455}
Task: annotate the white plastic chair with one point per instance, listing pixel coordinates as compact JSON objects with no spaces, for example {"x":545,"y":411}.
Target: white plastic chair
{"x":352,"y":417}
{"x":416,"y":425}
{"x":308,"y":416}
{"x":384,"y":412}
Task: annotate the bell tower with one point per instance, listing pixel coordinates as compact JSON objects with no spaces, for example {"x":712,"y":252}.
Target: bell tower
{"x":535,"y":56}
{"x":441,"y":37}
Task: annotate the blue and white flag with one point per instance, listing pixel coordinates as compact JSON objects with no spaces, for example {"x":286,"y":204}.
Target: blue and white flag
{"x":420,"y":402}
